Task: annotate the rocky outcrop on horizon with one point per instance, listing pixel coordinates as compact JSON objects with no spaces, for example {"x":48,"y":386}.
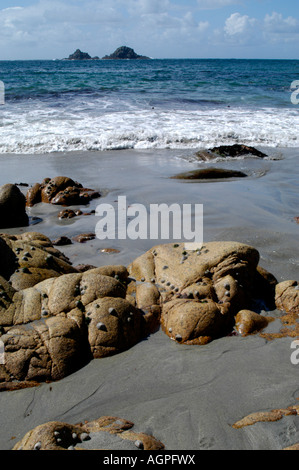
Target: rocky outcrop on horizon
{"x":78,"y":55}
{"x":121,"y":53}
{"x":124,"y":53}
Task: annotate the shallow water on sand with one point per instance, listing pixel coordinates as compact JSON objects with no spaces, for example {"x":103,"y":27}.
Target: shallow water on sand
{"x":257,"y":210}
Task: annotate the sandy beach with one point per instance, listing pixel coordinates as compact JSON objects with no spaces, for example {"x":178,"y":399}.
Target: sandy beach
{"x":188,"y":397}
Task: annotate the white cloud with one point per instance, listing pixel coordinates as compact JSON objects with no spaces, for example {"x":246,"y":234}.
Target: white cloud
{"x":275,"y":23}
{"x":237,"y":25}
{"x":159,"y":28}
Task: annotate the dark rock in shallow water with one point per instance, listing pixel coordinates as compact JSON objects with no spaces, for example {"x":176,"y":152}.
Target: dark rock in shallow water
{"x":124,"y":52}
{"x":210,"y":174}
{"x":62,"y":241}
{"x":84,"y":237}
{"x":12,"y":207}
{"x":225,"y":151}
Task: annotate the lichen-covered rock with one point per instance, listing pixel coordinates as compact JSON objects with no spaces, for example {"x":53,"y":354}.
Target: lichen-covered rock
{"x":60,"y":190}
{"x":12,"y":207}
{"x":56,"y":435}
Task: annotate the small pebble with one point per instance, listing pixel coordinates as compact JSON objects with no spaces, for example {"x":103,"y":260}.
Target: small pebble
{"x":227,"y":293}
{"x":38,"y":446}
{"x":165,"y":267}
{"x":75,"y":435}
{"x":84,"y":436}
{"x":139,"y":444}
{"x":71,"y":448}
{"x":178,"y":337}
{"x":170,"y":330}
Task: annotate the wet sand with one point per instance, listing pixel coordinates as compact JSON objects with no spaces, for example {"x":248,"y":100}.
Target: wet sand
{"x":188,"y":397}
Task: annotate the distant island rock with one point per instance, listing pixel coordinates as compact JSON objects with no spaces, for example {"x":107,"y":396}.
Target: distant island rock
{"x":123,"y":53}
{"x":78,"y":55}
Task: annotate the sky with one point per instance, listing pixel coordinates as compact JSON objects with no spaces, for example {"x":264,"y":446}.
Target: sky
{"x":53,"y":29}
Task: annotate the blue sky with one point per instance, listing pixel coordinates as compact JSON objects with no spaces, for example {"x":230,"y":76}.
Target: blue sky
{"x":49,"y":29}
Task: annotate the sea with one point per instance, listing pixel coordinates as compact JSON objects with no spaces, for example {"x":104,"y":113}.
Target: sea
{"x":96,"y":105}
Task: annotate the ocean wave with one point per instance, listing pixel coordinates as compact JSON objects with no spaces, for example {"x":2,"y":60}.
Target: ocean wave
{"x":46,"y":131}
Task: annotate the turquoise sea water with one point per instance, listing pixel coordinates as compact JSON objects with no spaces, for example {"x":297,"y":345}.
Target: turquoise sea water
{"x":99,"y":105}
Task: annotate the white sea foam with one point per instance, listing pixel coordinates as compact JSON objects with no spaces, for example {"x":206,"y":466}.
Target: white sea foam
{"x":49,"y":129}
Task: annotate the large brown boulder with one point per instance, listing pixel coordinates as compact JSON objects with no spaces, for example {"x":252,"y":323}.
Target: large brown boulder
{"x":12,"y":207}
{"x":200,"y":291}
{"x":54,"y":328}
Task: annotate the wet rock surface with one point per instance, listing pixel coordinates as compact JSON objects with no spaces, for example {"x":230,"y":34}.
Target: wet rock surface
{"x":12,"y":207}
{"x":60,"y":190}
{"x":210,"y":174}
{"x":104,"y":433}
{"x":232,"y":151}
